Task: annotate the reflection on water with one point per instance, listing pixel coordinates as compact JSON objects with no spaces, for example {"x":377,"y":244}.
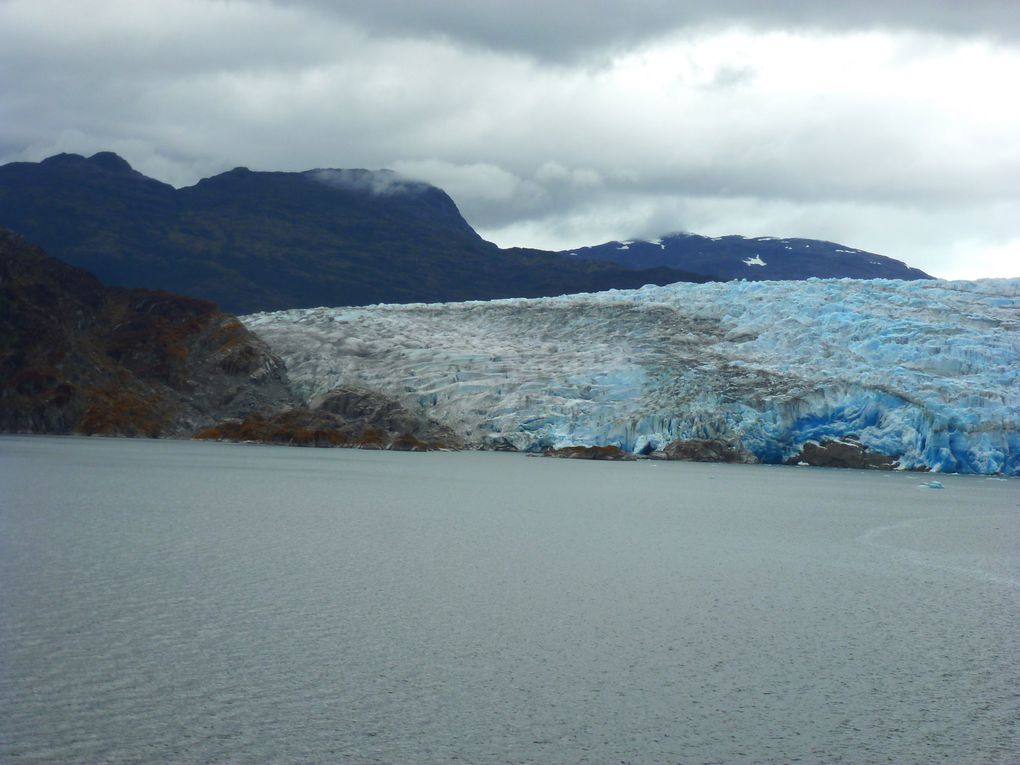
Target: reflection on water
{"x":197,"y":602}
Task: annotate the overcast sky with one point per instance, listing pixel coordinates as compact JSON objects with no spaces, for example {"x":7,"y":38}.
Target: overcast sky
{"x":888,"y":125}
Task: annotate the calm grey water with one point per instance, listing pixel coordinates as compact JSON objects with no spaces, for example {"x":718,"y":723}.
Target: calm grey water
{"x":190,"y":602}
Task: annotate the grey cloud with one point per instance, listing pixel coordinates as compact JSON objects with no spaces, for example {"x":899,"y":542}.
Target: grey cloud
{"x":378,"y":182}
{"x":566,"y":30}
{"x":157,"y":39}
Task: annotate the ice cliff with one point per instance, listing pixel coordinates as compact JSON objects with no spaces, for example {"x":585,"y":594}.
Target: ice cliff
{"x":925,"y":371}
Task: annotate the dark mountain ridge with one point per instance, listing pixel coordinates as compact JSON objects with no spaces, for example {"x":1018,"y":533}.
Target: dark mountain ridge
{"x":257,"y":241}
{"x":262,"y":241}
{"x":757,"y":259}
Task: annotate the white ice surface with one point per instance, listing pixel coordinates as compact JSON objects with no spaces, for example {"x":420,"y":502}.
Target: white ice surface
{"x":928,"y":371}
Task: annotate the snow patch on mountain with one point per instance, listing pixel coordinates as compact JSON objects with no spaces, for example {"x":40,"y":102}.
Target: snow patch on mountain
{"x":925,"y":371}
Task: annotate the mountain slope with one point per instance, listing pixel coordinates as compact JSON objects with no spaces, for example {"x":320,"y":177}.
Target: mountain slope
{"x":260,"y":241}
{"x":78,"y":357}
{"x":761,"y":258}
{"x":923,"y":374}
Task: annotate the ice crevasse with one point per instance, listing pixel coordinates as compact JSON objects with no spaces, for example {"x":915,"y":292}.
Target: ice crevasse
{"x":927,"y":372}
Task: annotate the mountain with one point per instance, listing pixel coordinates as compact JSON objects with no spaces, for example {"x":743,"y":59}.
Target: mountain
{"x":914,"y":374}
{"x":253,"y":241}
{"x":258,"y":241}
{"x":758,"y":259}
{"x":78,"y":357}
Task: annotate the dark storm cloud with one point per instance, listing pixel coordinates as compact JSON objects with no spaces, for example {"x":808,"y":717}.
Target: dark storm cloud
{"x":567,"y":29}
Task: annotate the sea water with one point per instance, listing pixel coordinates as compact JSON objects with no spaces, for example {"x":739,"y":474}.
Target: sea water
{"x":197,"y":602}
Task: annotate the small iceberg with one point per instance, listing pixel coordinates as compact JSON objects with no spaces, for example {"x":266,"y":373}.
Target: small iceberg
{"x":932,"y":485}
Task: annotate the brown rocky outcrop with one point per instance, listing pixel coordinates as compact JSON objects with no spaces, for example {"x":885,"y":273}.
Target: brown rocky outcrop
{"x":78,"y":357}
{"x":707,"y":450}
{"x":589,"y":453}
{"x":344,"y":417}
{"x":845,"y":452}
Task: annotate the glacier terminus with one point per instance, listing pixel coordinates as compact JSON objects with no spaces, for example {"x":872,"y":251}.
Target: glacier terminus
{"x":927,"y":372}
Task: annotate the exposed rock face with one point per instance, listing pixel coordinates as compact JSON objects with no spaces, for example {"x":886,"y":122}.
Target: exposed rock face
{"x":367,"y":408}
{"x":842,"y":453}
{"x":705,"y":450}
{"x":77,"y":357}
{"x":343,"y":417}
{"x":589,"y":453}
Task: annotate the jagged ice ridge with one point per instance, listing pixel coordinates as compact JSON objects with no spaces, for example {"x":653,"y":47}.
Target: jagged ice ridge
{"x":927,"y":371}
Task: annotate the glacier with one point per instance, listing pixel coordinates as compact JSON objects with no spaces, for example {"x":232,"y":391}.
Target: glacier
{"x":924,"y":371}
